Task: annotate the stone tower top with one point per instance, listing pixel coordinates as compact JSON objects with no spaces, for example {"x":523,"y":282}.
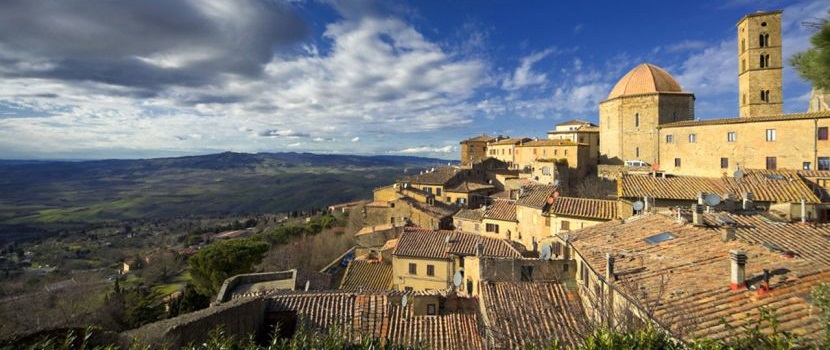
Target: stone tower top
{"x":759,"y":64}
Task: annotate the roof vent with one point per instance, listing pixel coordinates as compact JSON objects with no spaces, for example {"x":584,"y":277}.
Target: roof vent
{"x":738,"y":269}
{"x":697,"y":214}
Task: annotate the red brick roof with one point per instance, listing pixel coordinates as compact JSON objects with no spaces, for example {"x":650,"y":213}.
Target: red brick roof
{"x":367,"y":275}
{"x":501,"y":210}
{"x":584,"y":208}
{"x":433,"y":244}
{"x":535,"y":196}
{"x":685,"y":281}
{"x":533,"y":314}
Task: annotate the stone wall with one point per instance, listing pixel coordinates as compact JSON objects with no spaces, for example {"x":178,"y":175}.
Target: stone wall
{"x":288,"y":277}
{"x":238,"y":318}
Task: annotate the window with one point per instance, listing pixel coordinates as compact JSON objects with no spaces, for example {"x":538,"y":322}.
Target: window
{"x":637,"y":152}
{"x":692,"y":138}
{"x":669,"y":138}
{"x":527,"y":273}
{"x":413,"y":269}
{"x":476,"y":227}
{"x":555,"y":151}
{"x":743,"y":45}
{"x":566,"y":225}
{"x":771,"y":163}
{"x":545,"y":170}
{"x":770,"y":134}
{"x":428,"y":190}
{"x":763,"y":40}
{"x":492,"y":228}
{"x":823,"y":163}
{"x":744,"y":101}
{"x":430,"y":270}
{"x":430,"y":309}
{"x":438,"y":191}
{"x":822,"y":133}
{"x":566,"y":152}
{"x":743,"y":66}
{"x":764,"y":61}
{"x":765,"y":95}
{"x":724,"y":163}
{"x":637,"y":119}
{"x":805,"y":165}
{"x":731,"y":136}
{"x":676,"y":162}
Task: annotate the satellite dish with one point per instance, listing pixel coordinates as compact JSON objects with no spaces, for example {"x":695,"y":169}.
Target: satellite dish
{"x":567,"y":238}
{"x":556,"y":182}
{"x":545,"y":253}
{"x":712,"y":199}
{"x":404,"y":301}
{"x":638,"y":205}
{"x":457,"y":279}
{"x":739,"y":174}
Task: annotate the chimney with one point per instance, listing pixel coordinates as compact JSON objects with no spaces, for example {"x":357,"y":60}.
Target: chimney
{"x":609,"y":268}
{"x":803,"y":210}
{"x":738,"y":269}
{"x":748,"y":204}
{"x":727,"y":233}
{"x":479,"y":249}
{"x":700,"y":198}
{"x":697,"y":214}
{"x":646,"y":204}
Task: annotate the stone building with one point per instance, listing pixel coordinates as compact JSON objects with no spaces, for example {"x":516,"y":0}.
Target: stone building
{"x":576,"y":155}
{"x":760,"y":62}
{"x":578,"y":131}
{"x":642,"y":100}
{"x":474,"y":150}
{"x":504,"y":150}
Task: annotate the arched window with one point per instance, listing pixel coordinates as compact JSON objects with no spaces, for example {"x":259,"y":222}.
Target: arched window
{"x":764,"y":61}
{"x":744,"y":101}
{"x":766,"y":40}
{"x":743,"y":65}
{"x":637,"y":119}
{"x":743,"y":45}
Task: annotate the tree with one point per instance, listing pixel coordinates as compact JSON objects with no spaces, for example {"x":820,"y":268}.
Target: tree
{"x":216,"y":262}
{"x":814,"y":64}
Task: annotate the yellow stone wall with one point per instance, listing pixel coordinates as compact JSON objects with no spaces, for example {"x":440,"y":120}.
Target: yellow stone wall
{"x":532,"y":224}
{"x":573,"y":222}
{"x":795,"y":144}
{"x":401,"y":278}
{"x":385,"y":194}
{"x":467,"y":225}
{"x":751,"y":77}
{"x":473,"y":152}
{"x":504,"y":153}
{"x":507,"y":229}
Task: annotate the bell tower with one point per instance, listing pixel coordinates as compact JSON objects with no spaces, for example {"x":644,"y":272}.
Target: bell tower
{"x":759,"y":64}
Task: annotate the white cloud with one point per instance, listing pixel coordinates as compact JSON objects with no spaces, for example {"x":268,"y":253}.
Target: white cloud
{"x":523,"y":76}
{"x":355,"y":139}
{"x":686,"y":45}
{"x":427,"y":149}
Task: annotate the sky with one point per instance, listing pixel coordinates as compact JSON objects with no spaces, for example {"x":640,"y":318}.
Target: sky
{"x":161,"y":78}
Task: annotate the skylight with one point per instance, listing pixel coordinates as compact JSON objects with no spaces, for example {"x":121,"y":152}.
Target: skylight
{"x":660,"y":237}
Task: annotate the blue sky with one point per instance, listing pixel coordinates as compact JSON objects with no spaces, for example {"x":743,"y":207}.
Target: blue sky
{"x":154,"y":78}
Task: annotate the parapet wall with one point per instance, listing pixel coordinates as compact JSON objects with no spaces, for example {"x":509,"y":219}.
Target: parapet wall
{"x":290,"y":278}
{"x":238,"y":318}
{"x":610,"y":171}
{"x":510,"y":270}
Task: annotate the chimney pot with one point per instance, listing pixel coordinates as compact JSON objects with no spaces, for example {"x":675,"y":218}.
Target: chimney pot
{"x":697,"y":214}
{"x":738,"y":260}
{"x":803,"y":210}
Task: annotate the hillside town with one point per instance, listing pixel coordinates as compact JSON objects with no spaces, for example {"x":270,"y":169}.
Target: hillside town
{"x":653,"y":215}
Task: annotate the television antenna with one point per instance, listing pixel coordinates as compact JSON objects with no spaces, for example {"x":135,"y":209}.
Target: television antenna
{"x":546,"y":253}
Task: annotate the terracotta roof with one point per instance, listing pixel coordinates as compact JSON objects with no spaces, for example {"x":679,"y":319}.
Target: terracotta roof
{"x":770,"y":118}
{"x":425,"y":243}
{"x":440,"y":176}
{"x":511,"y":141}
{"x":482,"y":138}
{"x":584,"y":208}
{"x":469,"y":186}
{"x":645,"y":79}
{"x":693,"y":271}
{"x":535,"y":196}
{"x":501,"y":210}
{"x":575,"y":122}
{"x":533,"y":314}
{"x":815,"y":173}
{"x":381,"y":316}
{"x":550,"y":142}
{"x":367,"y":275}
{"x":786,"y":188}
{"x":470,"y":214}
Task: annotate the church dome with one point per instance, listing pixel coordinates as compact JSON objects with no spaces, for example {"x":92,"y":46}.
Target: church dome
{"x":645,"y":79}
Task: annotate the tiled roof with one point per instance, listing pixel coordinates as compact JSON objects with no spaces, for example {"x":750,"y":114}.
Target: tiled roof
{"x":550,"y":142}
{"x":367,"y":275}
{"x":511,"y":141}
{"x":439,"y":176}
{"x":685,"y":281}
{"x":644,"y":79}
{"x":469,"y":186}
{"x":501,"y":210}
{"x":785,"y":189}
{"x":425,"y":243}
{"x":370,"y":229}
{"x":575,"y":122}
{"x":482,"y":138}
{"x":815,"y":173}
{"x":535,"y":196}
{"x":584,"y":208}
{"x":469,"y":214}
{"x":770,"y":118}
{"x":439,"y":210}
{"x":381,"y":316}
{"x":525,"y":314}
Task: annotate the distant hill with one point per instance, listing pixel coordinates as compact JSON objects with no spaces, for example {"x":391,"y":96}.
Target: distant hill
{"x":52,"y":192}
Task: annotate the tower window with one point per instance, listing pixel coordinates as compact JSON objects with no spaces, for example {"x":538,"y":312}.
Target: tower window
{"x":637,"y":119}
{"x":743,"y":45}
{"x":692,"y":138}
{"x":731,"y":136}
{"x":744,"y":99}
{"x":724,"y":163}
{"x":764,"y":61}
{"x":763,"y":40}
{"x":676,"y":162}
{"x":763,"y":24}
{"x":669,"y":138}
{"x":770,"y":134}
{"x":637,"y":152}
{"x":743,"y":65}
{"x":765,"y":95}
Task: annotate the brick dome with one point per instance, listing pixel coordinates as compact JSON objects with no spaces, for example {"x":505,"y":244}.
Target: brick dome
{"x":645,"y":79}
